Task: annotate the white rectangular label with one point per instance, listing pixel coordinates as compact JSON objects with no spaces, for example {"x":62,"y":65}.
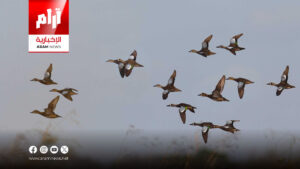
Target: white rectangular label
{"x":48,"y":43}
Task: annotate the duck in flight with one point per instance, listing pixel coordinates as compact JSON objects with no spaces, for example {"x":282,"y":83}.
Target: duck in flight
{"x":283,"y":83}
{"x":206,"y":126}
{"x":47,"y":77}
{"x":67,"y":92}
{"x":120,"y":63}
{"x":233,"y":46}
{"x":130,"y":63}
{"x":216,"y":95}
{"x":126,"y":67}
{"x":169,"y":87}
{"x":49,"y":111}
{"x":183,"y":107}
{"x":229,"y":127}
{"x":204,"y":50}
{"x":241,"y":84}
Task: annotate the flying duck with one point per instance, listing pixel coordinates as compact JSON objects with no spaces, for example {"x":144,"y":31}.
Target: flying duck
{"x":169,"y":87}
{"x":205,"y":128}
{"x":120,"y":63}
{"x":126,"y":67}
{"x":67,"y":92}
{"x":283,"y":83}
{"x":131,"y":63}
{"x":47,"y":77}
{"x":233,"y":46}
{"x":229,"y":127}
{"x":204,"y":50}
{"x":230,"y":49}
{"x":182,"y":109}
{"x":241,"y":84}
{"x":49,"y":111}
{"x":216,"y":95}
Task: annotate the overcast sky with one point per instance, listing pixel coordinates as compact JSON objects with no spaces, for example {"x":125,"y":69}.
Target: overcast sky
{"x":162,"y":32}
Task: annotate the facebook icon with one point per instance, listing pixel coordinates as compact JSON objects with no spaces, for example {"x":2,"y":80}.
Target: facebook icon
{"x":32,"y":149}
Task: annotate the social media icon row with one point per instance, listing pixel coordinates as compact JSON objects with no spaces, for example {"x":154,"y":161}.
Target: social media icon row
{"x":53,"y":149}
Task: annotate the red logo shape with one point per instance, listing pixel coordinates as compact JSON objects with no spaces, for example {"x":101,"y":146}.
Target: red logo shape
{"x":49,"y":26}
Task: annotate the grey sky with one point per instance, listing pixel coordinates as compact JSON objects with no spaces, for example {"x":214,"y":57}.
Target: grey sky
{"x":162,"y":32}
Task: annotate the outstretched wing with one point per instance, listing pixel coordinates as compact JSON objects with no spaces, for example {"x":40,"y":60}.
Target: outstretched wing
{"x":234,"y":40}
{"x":121,"y":66}
{"x":205,"y":133}
{"x":52,"y":104}
{"x":182,"y":116}
{"x":72,"y":92}
{"x":241,"y":88}
{"x":69,"y":97}
{"x":48,"y":73}
{"x":220,"y":85}
{"x":137,"y":65}
{"x":285,"y":74}
{"x":74,"y":89}
{"x":171,"y":80}
{"x":111,"y":61}
{"x":205,"y":43}
{"x":133,"y":55}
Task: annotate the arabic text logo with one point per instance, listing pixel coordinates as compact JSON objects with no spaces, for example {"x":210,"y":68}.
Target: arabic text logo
{"x":54,"y":20}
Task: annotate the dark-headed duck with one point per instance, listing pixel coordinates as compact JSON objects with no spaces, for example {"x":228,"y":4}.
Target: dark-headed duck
{"x":120,"y":63}
{"x":67,"y":92}
{"x":169,"y":87}
{"x":131,"y":63}
{"x":204,"y":50}
{"x":126,"y":67}
{"x":205,"y":128}
{"x":49,"y":111}
{"x":283,"y":83}
{"x":241,"y":84}
{"x":229,"y":127}
{"x":47,"y":77}
{"x":216,"y":95}
{"x":233,"y":46}
{"x":182,"y":109}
